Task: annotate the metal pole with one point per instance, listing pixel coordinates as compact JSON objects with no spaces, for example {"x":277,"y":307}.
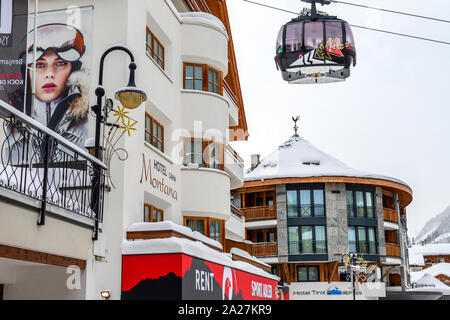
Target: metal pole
{"x":33,"y":85}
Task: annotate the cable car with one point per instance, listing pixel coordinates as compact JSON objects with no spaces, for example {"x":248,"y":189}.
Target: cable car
{"x":315,"y":48}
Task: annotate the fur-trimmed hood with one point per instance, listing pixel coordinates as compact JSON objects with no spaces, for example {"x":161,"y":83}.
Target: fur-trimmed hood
{"x":79,"y":107}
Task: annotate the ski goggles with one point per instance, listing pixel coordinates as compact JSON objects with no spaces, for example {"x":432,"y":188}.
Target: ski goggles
{"x":66,"y":41}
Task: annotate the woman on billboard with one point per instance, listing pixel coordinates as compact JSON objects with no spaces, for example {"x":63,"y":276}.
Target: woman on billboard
{"x":61,"y":101}
{"x":61,"y":97}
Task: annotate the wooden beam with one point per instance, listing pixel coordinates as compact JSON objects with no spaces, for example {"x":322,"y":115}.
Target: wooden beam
{"x":40,"y":257}
{"x":389,"y":271}
{"x":286,"y":272}
{"x":334,"y":267}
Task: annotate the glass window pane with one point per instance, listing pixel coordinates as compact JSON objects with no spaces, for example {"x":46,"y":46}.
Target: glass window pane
{"x":307,"y":239}
{"x":155,"y":215}
{"x":360,"y":203}
{"x":305,"y":203}
{"x":189,"y":71}
{"x":350,"y":208}
{"x":351,"y":239}
{"x":293,"y":240}
{"x":321,"y":244}
{"x":302,"y":274}
{"x":212,"y":229}
{"x":279,"y":47}
{"x":333,"y":31}
{"x":210,"y":87}
{"x":200,"y":226}
{"x":198,"y":85}
{"x":146,"y":214}
{"x":313,"y":274}
{"x":271,"y":236}
{"x":189,"y":84}
{"x":349,"y":35}
{"x":362,"y":239}
{"x":147,"y":123}
{"x":319,"y":203}
{"x":293,"y":36}
{"x":372,"y":241}
{"x":369,"y":202}
{"x":198,"y":72}
{"x":292,"y":203}
{"x":149,"y":39}
{"x":313,"y":34}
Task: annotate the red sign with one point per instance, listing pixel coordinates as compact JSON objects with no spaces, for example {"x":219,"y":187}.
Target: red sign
{"x":182,"y":277}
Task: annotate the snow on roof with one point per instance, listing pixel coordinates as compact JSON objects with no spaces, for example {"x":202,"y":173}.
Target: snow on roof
{"x":299,"y":158}
{"x":203,"y":18}
{"x":246,"y":255}
{"x":416,"y":259}
{"x":429,"y":283}
{"x":169,"y":225}
{"x":442,"y":237}
{"x":431,"y":249}
{"x":192,"y":248}
{"x":435,"y":270}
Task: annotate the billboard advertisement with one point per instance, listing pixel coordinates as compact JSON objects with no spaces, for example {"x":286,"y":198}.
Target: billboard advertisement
{"x":13,"y":30}
{"x":183,"y":277}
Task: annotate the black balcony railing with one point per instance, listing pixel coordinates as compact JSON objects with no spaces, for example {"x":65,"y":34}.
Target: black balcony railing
{"x":308,"y":247}
{"x":38,"y":163}
{"x":369,"y":247}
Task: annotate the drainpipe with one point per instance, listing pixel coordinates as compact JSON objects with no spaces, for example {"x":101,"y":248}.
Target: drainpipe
{"x":401,"y":242}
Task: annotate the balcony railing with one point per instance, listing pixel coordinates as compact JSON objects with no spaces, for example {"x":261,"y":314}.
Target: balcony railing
{"x":237,"y":159}
{"x":261,"y":212}
{"x":40,"y":164}
{"x":264,"y":249}
{"x":307,"y":247}
{"x":390,"y":215}
{"x":368,"y":247}
{"x":392,"y":250}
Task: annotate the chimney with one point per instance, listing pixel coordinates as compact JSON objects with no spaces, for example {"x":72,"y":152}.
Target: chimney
{"x":254,"y":160}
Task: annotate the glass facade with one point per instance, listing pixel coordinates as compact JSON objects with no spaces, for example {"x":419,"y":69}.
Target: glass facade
{"x":360,"y":204}
{"x":307,"y":239}
{"x":362,"y":239}
{"x":305,"y":203}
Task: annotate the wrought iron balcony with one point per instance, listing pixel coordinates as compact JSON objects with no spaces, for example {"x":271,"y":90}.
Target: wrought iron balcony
{"x":40,"y":164}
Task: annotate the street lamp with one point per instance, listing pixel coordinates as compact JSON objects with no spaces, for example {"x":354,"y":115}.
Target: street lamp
{"x":353,"y":262}
{"x":130,"y":97}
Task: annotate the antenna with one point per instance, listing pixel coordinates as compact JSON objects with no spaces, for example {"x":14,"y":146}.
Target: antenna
{"x":295,"y":124}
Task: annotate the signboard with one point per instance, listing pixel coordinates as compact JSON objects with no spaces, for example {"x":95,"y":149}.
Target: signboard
{"x":336,"y":291}
{"x":158,"y":176}
{"x":63,"y":64}
{"x":183,"y":277}
{"x":13,"y":31}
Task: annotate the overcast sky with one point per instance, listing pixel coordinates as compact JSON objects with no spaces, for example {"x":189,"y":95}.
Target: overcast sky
{"x":390,"y":117}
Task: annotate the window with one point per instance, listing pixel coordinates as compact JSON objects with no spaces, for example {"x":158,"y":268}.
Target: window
{"x":152,"y":214}
{"x":204,"y":153}
{"x":154,"y":132}
{"x":202,"y":77}
{"x":305,"y":203}
{"x":273,"y":270}
{"x":213,"y":80}
{"x":209,"y":227}
{"x":307,"y":273}
{"x":155,"y":49}
{"x":307,"y":239}
{"x":360,"y":204}
{"x":362,"y":240}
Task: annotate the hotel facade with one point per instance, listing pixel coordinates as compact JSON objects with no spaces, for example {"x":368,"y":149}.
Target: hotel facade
{"x":166,"y":177}
{"x":305,"y":209}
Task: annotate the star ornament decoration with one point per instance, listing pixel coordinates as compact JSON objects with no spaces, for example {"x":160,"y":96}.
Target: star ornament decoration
{"x":121,"y":114}
{"x":128,"y":126}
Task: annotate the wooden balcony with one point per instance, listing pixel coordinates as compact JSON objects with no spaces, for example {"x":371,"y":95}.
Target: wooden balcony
{"x":390,"y":215}
{"x":392,"y":250}
{"x":262,"y":212}
{"x":264,"y":249}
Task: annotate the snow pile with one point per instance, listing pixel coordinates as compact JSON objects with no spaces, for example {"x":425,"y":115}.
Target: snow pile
{"x":416,"y":259}
{"x":246,"y":255}
{"x":203,"y":18}
{"x":193,"y":248}
{"x":435,"y":270}
{"x":299,"y":158}
{"x":432,"y":249}
{"x":171,"y":226}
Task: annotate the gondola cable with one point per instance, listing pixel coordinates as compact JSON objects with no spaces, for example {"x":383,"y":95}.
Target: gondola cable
{"x":391,"y":11}
{"x":356,"y":26}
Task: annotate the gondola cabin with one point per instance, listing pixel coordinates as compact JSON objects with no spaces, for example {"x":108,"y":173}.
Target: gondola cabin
{"x":315,"y":48}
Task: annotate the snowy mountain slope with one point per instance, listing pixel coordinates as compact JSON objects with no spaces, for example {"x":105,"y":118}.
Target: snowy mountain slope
{"x":436,"y":230}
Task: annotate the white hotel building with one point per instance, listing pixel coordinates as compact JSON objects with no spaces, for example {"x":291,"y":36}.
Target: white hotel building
{"x":193,"y":103}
